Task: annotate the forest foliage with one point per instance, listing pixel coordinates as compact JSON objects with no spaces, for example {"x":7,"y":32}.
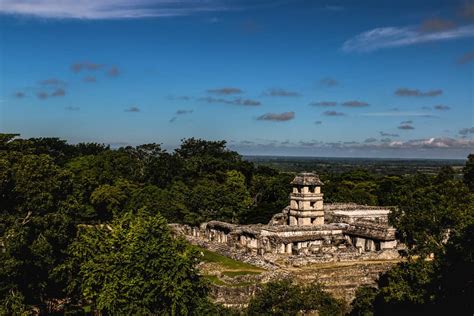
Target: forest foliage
{"x":86,"y":225}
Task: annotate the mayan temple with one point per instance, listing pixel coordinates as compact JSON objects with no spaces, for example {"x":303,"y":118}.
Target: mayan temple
{"x":309,"y":228}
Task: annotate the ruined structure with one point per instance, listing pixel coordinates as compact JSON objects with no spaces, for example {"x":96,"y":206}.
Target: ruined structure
{"x":309,"y":228}
{"x":341,"y":245}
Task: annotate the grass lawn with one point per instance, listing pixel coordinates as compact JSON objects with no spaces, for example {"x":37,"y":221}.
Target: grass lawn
{"x":228,"y":263}
{"x":229,"y":267}
{"x":237,"y":273}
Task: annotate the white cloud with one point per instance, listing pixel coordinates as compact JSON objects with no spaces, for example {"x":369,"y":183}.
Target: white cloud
{"x":386,"y":37}
{"x":108,"y":9}
{"x":435,"y":142}
{"x":372,"y":143}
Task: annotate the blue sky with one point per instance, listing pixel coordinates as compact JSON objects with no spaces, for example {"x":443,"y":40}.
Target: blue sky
{"x":313,"y":78}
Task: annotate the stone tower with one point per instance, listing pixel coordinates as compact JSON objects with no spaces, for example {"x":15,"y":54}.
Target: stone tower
{"x":306,"y":201}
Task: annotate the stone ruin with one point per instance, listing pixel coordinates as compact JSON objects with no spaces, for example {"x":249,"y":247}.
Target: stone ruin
{"x":308,"y":229}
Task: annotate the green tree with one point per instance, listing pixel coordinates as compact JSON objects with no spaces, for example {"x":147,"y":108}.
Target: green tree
{"x":454,"y":274}
{"x":391,"y":190}
{"x":445,"y":174}
{"x":468,"y":172}
{"x":235,"y":197}
{"x":418,"y":286}
{"x":363,"y":303}
{"x":109,"y":200}
{"x":203,"y":158}
{"x":269,"y":190}
{"x":170,"y":202}
{"x":211,"y":200}
{"x":135,"y":266}
{"x":428,"y":214}
{"x":38,"y":184}
{"x":32,"y":248}
{"x":285,"y":298}
{"x":406,"y":289}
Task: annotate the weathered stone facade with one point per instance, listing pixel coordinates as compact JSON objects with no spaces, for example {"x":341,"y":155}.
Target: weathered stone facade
{"x":340,"y":245}
{"x":309,"y":228}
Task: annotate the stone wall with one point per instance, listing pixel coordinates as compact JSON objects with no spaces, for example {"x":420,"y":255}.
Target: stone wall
{"x":340,"y":279}
{"x":339,"y":271}
{"x":333,"y":242}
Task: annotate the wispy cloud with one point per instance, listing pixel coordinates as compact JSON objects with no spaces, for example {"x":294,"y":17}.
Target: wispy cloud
{"x":434,"y":142}
{"x":318,"y":122}
{"x":133,"y":109}
{"x":311,"y":143}
{"x":178,"y":113}
{"x":406,"y":122}
{"x":436,"y":25}
{"x":329,"y":82}
{"x":179,"y":98}
{"x":113,"y":72}
{"x":278,"y":117}
{"x":370,"y":140}
{"x":466,"y":131}
{"x":399,"y":114}
{"x":59,"y":92}
{"x":441,"y":107}
{"x":90,"y":79}
{"x":52,"y":82}
{"x":387,"y":37}
{"x":333,"y":113}
{"x":72,"y":108}
{"x":42,"y":95}
{"x":405,"y":127}
{"x":388,"y":134}
{"x":114,"y":9}
{"x":407,"y":92}
{"x":19,"y":94}
{"x":386,"y":144}
{"x":466,"y":58}
{"x":225,"y":91}
{"x":182,"y":112}
{"x":237,"y":101}
{"x":323,"y":103}
{"x":279,"y":92}
{"x":80,"y":66}
{"x":355,"y":104}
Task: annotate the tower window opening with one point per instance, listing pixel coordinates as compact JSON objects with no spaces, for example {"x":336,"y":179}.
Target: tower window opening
{"x":377,"y":245}
{"x":311,"y":189}
{"x":311,"y":204}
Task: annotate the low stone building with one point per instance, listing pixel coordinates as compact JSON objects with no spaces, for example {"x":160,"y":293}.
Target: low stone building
{"x":308,"y":227}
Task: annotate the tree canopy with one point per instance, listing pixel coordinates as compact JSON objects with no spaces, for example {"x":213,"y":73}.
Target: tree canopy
{"x":286,"y":298}
{"x":79,"y":222}
{"x":134,"y":266}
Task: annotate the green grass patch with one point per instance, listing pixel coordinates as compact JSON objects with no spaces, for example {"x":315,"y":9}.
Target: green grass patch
{"x":214,"y":279}
{"x":227,"y":263}
{"x":241,"y":272}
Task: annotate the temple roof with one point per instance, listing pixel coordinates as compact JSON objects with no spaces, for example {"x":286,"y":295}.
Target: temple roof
{"x":307,"y":178}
